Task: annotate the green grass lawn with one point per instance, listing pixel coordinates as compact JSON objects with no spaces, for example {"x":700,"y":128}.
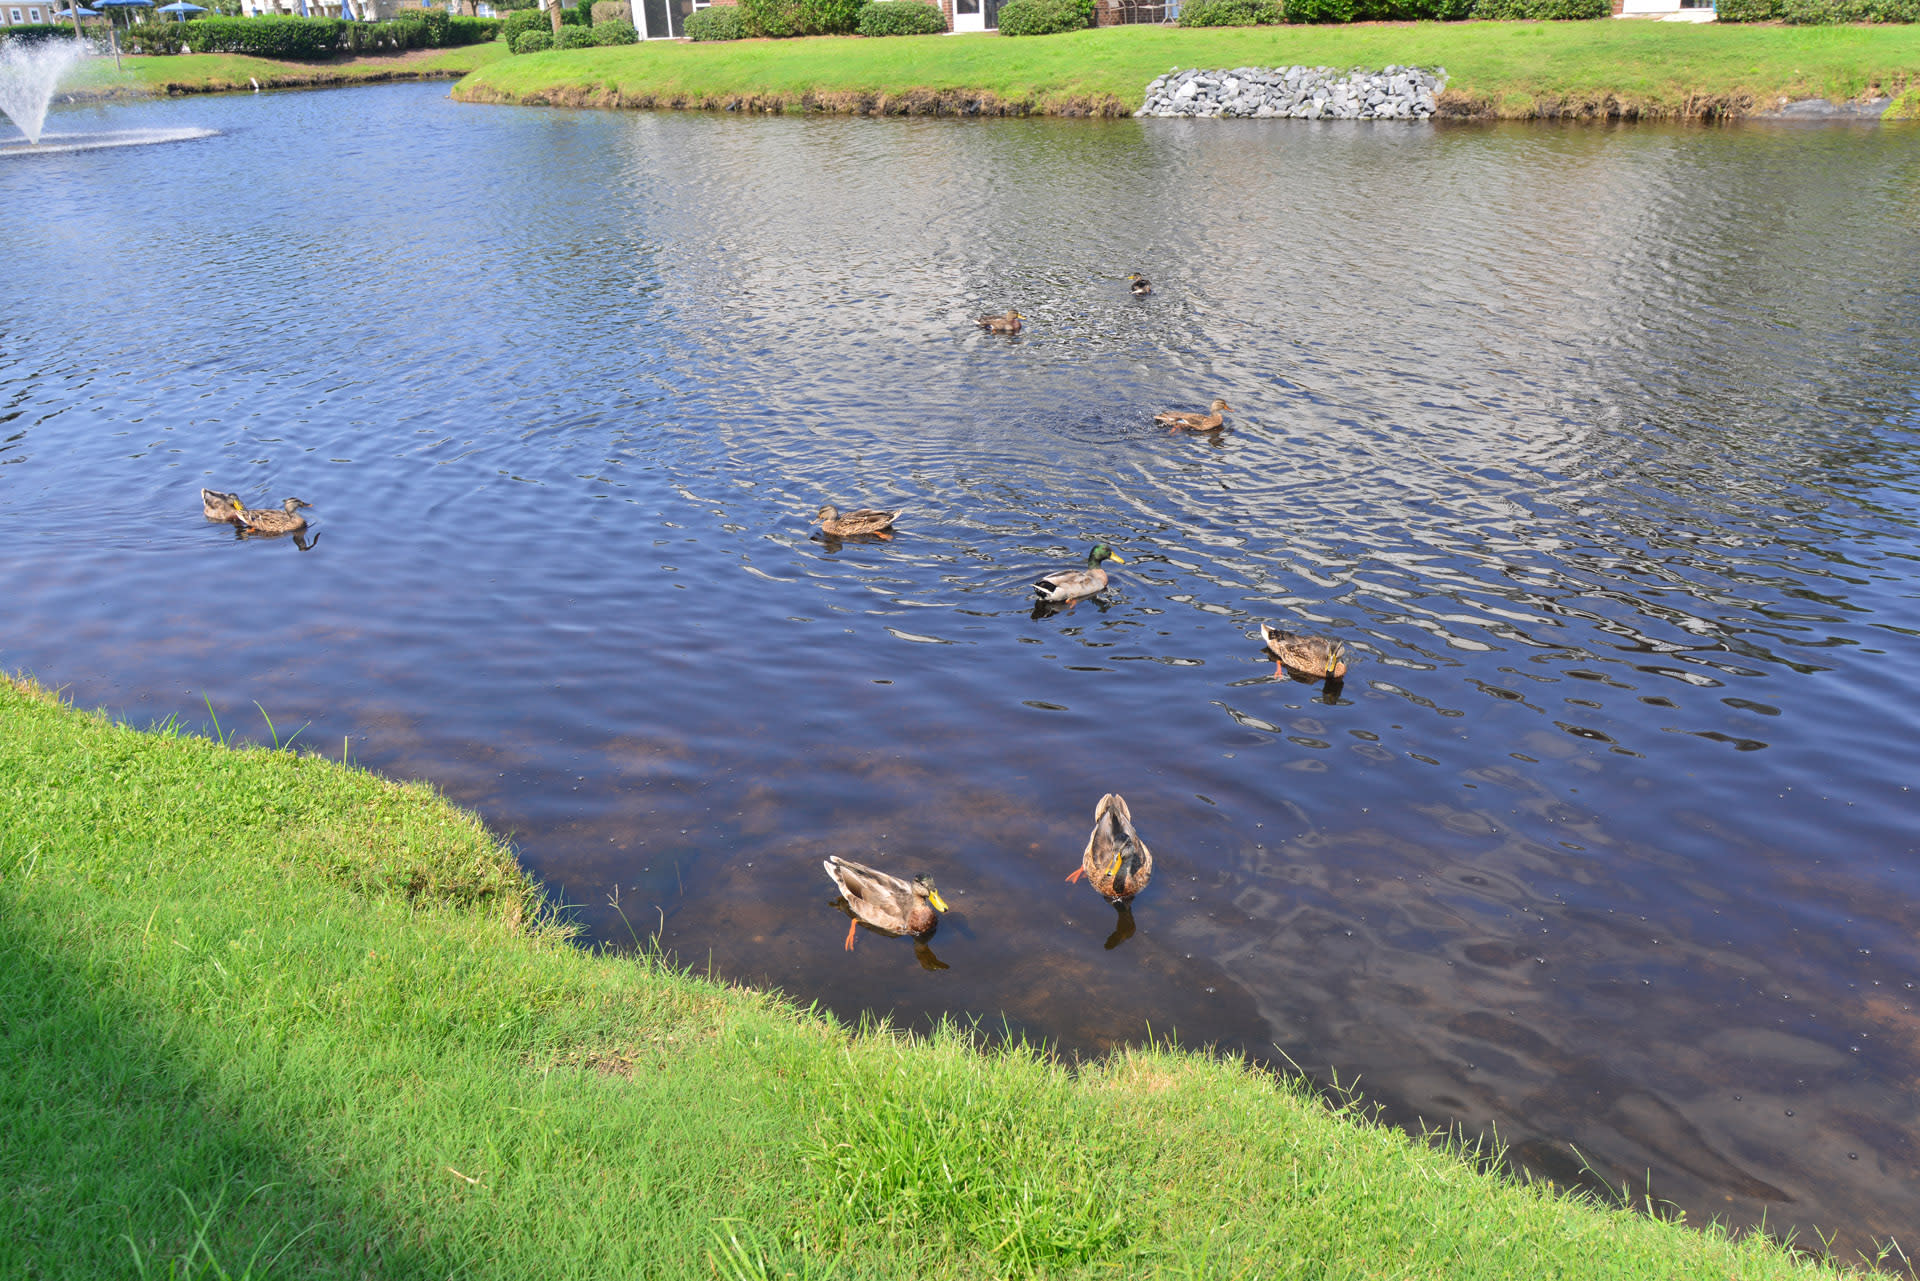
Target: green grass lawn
{"x":224,"y":72}
{"x":264,"y":1015}
{"x":1660,"y":68}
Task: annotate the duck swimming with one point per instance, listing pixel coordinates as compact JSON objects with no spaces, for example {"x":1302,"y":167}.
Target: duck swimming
{"x":1076,"y":584}
{"x":1116,"y":861}
{"x":885,"y":902}
{"x":1007,"y":324}
{"x":1141,"y":286}
{"x":1176,"y":419}
{"x":219,"y":506}
{"x":265,"y":520}
{"x":1313,"y":656}
{"x":837,"y":524}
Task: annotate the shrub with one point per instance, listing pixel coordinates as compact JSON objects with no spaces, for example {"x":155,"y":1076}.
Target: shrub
{"x":1319,"y":10}
{"x":1746,"y":10}
{"x":1808,"y":13}
{"x":1411,"y":10}
{"x":37,"y":32}
{"x":533,"y":41}
{"x":432,"y":24}
{"x":1539,"y":10}
{"x":901,"y":18}
{"x":612,"y":11}
{"x":290,"y":39}
{"x":830,"y":17}
{"x":521,"y":21}
{"x":1044,"y":17}
{"x":472,"y":30}
{"x":615,"y":31}
{"x":720,"y":22}
{"x":580,"y":14}
{"x":573,"y":38}
{"x":770,"y":17}
{"x":1229,"y":13}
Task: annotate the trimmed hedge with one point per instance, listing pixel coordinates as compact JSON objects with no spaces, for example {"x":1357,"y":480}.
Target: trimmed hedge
{"x":1814,"y":13}
{"x":615,"y":31}
{"x":780,"y":18}
{"x":534,"y":41}
{"x":901,"y":18}
{"x":573,"y":37}
{"x":1230,"y":13}
{"x":472,"y":30}
{"x":39,"y":32}
{"x":1044,"y":17}
{"x":1539,"y":10}
{"x":718,"y":22}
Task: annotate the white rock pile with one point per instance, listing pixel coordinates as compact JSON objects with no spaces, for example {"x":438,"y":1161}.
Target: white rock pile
{"x":1300,"y":93}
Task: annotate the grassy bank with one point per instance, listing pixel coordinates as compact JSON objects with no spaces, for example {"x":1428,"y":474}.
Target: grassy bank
{"x":266,"y":1015}
{"x":1506,"y":69}
{"x":230,"y":72}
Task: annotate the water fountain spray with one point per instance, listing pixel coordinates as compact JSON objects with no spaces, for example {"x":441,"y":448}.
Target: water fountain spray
{"x":28,"y":74}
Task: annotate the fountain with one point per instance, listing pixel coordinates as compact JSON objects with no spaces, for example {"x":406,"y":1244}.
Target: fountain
{"x":28,"y":73}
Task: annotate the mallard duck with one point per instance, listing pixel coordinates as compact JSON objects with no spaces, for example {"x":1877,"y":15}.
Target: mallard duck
{"x":1116,"y":861}
{"x":1314,"y":656}
{"x":219,"y":506}
{"x":850,"y":524}
{"x":1007,"y":324}
{"x":1073,"y":584}
{"x":265,"y":520}
{"x":1176,"y":419}
{"x":884,"y":902}
{"x":1141,"y":286}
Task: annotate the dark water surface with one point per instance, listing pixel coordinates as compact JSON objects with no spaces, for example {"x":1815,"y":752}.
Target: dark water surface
{"x":1597,"y":447}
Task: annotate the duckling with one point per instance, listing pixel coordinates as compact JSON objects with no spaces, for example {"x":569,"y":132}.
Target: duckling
{"x":1007,"y":324}
{"x":1074,"y":584}
{"x":219,"y":506}
{"x":1116,"y":861}
{"x":885,"y":902}
{"x":1175,"y":419}
{"x":851,"y":524}
{"x":1313,"y":656}
{"x":265,"y":520}
{"x":1141,"y":286}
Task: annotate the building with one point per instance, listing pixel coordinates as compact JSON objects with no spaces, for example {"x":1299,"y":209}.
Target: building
{"x":15,"y":13}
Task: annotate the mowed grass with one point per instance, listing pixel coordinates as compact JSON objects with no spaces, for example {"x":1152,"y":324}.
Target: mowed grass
{"x":226,"y":72}
{"x":265,"y":1015}
{"x":1518,"y":68}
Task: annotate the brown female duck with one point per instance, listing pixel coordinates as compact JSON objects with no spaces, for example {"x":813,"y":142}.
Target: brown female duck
{"x":838,"y":524}
{"x":884,"y":902}
{"x":265,"y":520}
{"x":1007,"y":324}
{"x":1313,"y":656}
{"x":1116,"y":861}
{"x":219,"y":506}
{"x":1175,"y":419}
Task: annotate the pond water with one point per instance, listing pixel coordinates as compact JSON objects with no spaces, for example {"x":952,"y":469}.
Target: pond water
{"x":1596,"y":446}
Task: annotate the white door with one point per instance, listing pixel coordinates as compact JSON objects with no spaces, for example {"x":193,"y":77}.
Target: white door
{"x":969,"y":15}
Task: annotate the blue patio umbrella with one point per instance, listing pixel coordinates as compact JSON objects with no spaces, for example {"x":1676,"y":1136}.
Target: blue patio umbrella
{"x":84,"y":12}
{"x":181,"y":10}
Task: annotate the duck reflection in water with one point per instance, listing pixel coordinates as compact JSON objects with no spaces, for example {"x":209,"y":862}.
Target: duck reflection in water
{"x":305,"y":540}
{"x":1122,"y":927}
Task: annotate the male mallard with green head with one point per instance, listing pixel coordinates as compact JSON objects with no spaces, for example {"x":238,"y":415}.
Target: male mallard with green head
{"x":1116,"y":861}
{"x":1314,"y":656}
{"x":884,"y":902}
{"x":1007,"y":324}
{"x":838,"y":524}
{"x":1175,"y":419}
{"x":1074,"y":584}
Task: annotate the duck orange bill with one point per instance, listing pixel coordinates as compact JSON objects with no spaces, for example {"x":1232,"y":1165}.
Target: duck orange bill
{"x":1113,"y":873}
{"x":939,"y":904}
{"x":1117,"y":559}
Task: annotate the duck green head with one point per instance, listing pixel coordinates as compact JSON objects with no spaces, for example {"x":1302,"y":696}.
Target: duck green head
{"x":1102,"y":552}
{"x":923,"y":886}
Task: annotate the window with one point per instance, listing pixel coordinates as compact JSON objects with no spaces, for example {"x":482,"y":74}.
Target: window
{"x":14,"y":15}
{"x":33,"y":15}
